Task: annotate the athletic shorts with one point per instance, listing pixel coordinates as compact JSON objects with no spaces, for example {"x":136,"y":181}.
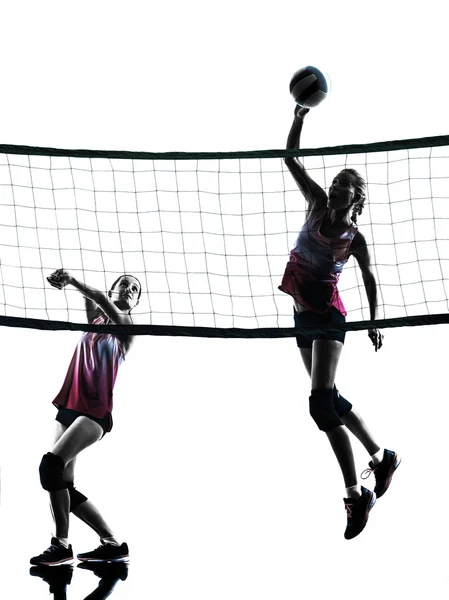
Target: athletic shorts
{"x":66,"y":416}
{"x":309,"y":318}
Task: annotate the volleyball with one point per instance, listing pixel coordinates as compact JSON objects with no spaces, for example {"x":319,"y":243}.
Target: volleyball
{"x":308,"y":87}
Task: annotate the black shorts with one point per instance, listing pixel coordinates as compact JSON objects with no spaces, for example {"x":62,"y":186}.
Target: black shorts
{"x":309,"y":318}
{"x":66,"y":416}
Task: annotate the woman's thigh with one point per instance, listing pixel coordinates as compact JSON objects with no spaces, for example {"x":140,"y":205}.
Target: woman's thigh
{"x":59,"y":430}
{"x":81,"y":434}
{"x":325,"y":357}
{"x":306,"y":355}
{"x":69,"y":469}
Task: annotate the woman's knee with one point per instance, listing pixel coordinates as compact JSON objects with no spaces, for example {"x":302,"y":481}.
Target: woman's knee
{"x":342,"y":406}
{"x":91,"y":430}
{"x":76,"y":497}
{"x":322,"y":409}
{"x":51,"y":471}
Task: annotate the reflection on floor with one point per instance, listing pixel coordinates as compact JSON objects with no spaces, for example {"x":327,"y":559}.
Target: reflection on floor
{"x":59,"y":578}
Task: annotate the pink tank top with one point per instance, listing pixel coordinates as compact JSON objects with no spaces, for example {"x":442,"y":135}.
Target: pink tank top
{"x":92,"y":373}
{"x":315,"y":265}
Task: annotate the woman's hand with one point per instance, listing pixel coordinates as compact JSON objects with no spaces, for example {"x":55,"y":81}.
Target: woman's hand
{"x":59,"y":279}
{"x":376,"y":337}
{"x":300,"y":111}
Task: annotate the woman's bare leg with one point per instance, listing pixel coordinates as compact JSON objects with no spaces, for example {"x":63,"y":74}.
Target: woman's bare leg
{"x":357,"y":427}
{"x":90,"y":515}
{"x":352,"y":420}
{"x":86,"y":511}
{"x":322,"y":361}
{"x":80,"y":435}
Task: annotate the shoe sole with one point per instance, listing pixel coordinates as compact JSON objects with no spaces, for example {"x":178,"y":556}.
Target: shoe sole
{"x":115,"y":559}
{"x":65,"y":561}
{"x":395,"y":465}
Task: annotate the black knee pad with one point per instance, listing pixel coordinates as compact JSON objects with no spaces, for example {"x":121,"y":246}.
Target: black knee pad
{"x":341,"y":405}
{"x":322,"y":410}
{"x":76,"y":497}
{"x":50,"y":471}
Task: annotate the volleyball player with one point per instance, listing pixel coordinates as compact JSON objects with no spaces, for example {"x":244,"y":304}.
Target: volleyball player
{"x":85,"y":416}
{"x":328,"y":238}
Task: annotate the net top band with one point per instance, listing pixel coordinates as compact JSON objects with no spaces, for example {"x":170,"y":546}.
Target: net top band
{"x":409,"y":144}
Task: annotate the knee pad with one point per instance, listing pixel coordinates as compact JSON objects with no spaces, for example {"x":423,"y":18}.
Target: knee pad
{"x":50,"y":471}
{"x":341,"y":405}
{"x":76,"y":497}
{"x":322,"y":410}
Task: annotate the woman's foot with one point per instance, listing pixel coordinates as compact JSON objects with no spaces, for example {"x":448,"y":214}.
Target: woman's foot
{"x":106,"y":552}
{"x":56,"y":554}
{"x":383,"y":472}
{"x":357,"y":510}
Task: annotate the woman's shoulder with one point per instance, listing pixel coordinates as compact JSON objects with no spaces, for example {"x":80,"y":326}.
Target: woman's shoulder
{"x":354,"y":229}
{"x":358,"y":245}
{"x":359,"y":238}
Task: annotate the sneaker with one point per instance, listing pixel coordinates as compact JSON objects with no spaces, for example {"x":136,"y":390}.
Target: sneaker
{"x":383,"y":472}
{"x":357,"y":510}
{"x":56,"y":554}
{"x":106,"y":552}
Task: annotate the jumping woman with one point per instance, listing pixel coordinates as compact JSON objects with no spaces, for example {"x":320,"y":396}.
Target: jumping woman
{"x":327,"y":239}
{"x":84,"y":416}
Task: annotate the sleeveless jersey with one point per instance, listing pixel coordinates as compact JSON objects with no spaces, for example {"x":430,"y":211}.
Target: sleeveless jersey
{"x":315,"y":265}
{"x":92,"y":373}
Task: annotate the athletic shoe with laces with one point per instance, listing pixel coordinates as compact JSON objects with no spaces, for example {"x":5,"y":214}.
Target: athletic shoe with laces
{"x":106,"y":552}
{"x":383,"y":472}
{"x":56,"y":554}
{"x":357,"y":510}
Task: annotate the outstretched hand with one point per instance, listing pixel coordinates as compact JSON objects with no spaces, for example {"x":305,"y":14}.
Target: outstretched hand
{"x":59,"y":279}
{"x":301,"y":111}
{"x":376,"y":337}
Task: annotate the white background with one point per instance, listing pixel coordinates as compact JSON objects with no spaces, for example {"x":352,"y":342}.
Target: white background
{"x":214,"y":472}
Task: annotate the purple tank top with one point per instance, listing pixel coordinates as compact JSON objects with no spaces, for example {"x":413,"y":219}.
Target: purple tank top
{"x":92,"y":373}
{"x":315,"y":265}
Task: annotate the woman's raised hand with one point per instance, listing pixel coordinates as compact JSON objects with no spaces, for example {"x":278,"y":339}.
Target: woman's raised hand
{"x":300,"y":111}
{"x":59,"y":279}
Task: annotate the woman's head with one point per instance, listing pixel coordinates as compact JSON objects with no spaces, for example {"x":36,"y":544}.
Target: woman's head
{"x":348,"y":190}
{"x":125,"y":292}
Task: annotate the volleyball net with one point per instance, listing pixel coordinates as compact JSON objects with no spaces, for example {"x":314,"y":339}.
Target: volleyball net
{"x":209,"y":235}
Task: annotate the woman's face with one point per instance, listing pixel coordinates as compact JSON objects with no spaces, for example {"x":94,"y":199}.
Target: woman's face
{"x":126,"y":291}
{"x":342,"y":191}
